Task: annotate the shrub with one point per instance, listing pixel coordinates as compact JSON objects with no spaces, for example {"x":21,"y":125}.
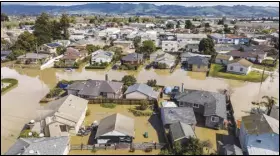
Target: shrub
{"x":108,"y":105}
{"x":95,"y":67}
{"x":140,"y":113}
{"x":152,"y":83}
{"x":88,"y":112}
{"x":93,"y":150}
{"x":149,"y":149}
{"x":12,"y":82}
{"x":54,"y":92}
{"x":144,"y":105}
{"x":25,"y":134}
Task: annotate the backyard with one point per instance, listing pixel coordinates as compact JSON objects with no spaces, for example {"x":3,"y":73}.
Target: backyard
{"x":150,"y":124}
{"x":219,"y":71}
{"x":267,"y":68}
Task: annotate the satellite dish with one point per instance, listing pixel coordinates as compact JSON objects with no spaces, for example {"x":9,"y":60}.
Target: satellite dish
{"x":30,"y":134}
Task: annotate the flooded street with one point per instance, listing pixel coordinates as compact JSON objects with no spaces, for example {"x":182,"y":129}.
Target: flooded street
{"x":20,"y":104}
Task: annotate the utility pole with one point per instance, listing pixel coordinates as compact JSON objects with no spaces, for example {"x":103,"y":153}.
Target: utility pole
{"x":261,"y":81}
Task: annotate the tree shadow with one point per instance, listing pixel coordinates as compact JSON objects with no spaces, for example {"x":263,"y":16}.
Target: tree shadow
{"x":91,"y":139}
{"x":156,"y":122}
{"x":227,"y":139}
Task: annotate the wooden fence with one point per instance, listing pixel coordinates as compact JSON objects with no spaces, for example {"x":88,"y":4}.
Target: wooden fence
{"x":120,"y":101}
{"x":136,"y":146}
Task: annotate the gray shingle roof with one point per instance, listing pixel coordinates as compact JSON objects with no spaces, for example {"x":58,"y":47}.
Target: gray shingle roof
{"x":144,"y":89}
{"x":116,"y":122}
{"x":45,"y":146}
{"x":260,"y":124}
{"x":34,"y":56}
{"x":214,"y":103}
{"x":95,"y":87}
{"x":181,"y":130}
{"x":197,"y":60}
{"x":132,"y":57}
{"x":232,"y":150}
{"x":175,"y":114}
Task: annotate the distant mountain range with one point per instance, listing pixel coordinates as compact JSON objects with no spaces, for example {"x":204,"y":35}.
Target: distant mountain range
{"x":144,"y":9}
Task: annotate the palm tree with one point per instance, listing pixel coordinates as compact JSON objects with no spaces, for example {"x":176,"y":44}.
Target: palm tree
{"x":269,"y":103}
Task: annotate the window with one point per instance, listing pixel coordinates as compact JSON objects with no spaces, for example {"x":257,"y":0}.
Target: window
{"x":259,"y":141}
{"x":241,"y":69}
{"x":231,"y":68}
{"x":195,"y":105}
{"x":214,"y":119}
{"x":63,"y":128}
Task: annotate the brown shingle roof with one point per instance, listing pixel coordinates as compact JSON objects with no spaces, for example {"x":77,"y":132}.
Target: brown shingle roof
{"x":243,"y":62}
{"x":223,"y":57}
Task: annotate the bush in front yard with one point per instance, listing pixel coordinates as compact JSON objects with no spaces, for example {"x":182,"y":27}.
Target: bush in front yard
{"x":25,"y":134}
{"x":88,"y":112}
{"x":144,"y":105}
{"x":108,"y":105}
{"x":139,"y":112}
{"x":54,"y":92}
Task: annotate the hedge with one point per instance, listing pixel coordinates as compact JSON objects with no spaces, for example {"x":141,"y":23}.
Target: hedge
{"x":95,"y":67}
{"x":12,"y":82}
{"x":139,"y":112}
{"x":108,"y":105}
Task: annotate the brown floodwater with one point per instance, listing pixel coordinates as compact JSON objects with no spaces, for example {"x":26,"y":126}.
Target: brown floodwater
{"x":21,"y":104}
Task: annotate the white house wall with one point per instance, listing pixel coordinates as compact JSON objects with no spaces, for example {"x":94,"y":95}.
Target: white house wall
{"x":236,"y":68}
{"x":114,"y":133}
{"x":81,"y":120}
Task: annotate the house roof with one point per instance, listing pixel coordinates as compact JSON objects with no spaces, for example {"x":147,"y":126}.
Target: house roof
{"x":236,"y":53}
{"x":181,"y":130}
{"x":165,"y":57}
{"x":231,"y":150}
{"x":175,"y":114}
{"x":72,"y":108}
{"x":132,"y":57}
{"x":242,"y":62}
{"x":40,"y":146}
{"x":223,"y":57}
{"x":275,"y":112}
{"x":95,"y":87}
{"x":5,"y":53}
{"x":260,"y":124}
{"x":189,"y":54}
{"x":71,"y":53}
{"x":102,"y":54}
{"x":116,"y":122}
{"x":142,"y":88}
{"x":53,"y":45}
{"x":234,"y":36}
{"x":168,"y":104}
{"x":198,"y":60}
{"x":214,"y":103}
{"x":34,"y":56}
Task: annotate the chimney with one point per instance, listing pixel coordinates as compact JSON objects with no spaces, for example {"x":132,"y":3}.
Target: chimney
{"x":182,"y":87}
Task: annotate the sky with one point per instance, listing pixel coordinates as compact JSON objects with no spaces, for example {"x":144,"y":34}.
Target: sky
{"x":157,"y":3}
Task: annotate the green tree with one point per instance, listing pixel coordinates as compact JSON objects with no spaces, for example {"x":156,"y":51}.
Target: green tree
{"x":15,"y":53}
{"x":169,"y":25}
{"x":178,"y":24}
{"x":147,"y":48}
{"x":137,"y":42}
{"x":207,"y":25}
{"x":91,"y":48}
{"x":60,"y":50}
{"x":152,"y":82}
{"x":25,"y":41}
{"x":129,"y":80}
{"x":241,"y":49}
{"x":206,"y":45}
{"x":4,"y":17}
{"x":220,"y":22}
{"x":65,"y":24}
{"x":42,"y":29}
{"x":269,"y":103}
{"x":144,"y":105}
{"x":226,"y":29}
{"x":55,"y":30}
{"x":188,"y":24}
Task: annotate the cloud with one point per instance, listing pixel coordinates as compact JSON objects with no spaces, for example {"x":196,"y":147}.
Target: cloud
{"x":156,"y":3}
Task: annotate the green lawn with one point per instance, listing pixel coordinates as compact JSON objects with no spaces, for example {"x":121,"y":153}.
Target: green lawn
{"x":219,"y":71}
{"x":259,"y":66}
{"x":11,"y":82}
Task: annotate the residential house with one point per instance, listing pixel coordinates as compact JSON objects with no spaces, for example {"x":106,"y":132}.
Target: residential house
{"x":220,"y":38}
{"x":198,"y":64}
{"x":160,"y":57}
{"x":185,"y":56}
{"x":169,"y":46}
{"x":181,"y":132}
{"x":141,"y":91}
{"x":49,"y":48}
{"x":4,"y":54}
{"x":71,"y":56}
{"x":211,"y":105}
{"x":225,"y":48}
{"x":168,"y":104}
{"x":259,"y":41}
{"x":40,"y":146}
{"x":64,"y":116}
{"x":77,"y":35}
{"x":133,"y":59}
{"x":33,"y":58}
{"x":91,"y":89}
{"x":190,"y":37}
{"x":109,"y":32}
{"x":124,"y":44}
{"x":259,"y":135}
{"x":223,"y":59}
{"x":253,"y":56}
{"x":240,"y":66}
{"x":100,"y":56}
{"x":170,"y":115}
{"x":81,"y":44}
{"x":191,"y":46}
{"x":115,"y":128}
{"x":237,"y":39}
{"x":64,"y":43}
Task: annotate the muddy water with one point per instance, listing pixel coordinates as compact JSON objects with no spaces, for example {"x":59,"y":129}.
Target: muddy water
{"x":20,"y":104}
